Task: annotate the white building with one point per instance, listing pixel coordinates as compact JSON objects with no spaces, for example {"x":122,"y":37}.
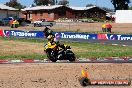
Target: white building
{"x":123,"y":16}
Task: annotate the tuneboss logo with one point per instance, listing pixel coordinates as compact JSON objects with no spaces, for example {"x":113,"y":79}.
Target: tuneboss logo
{"x":7,"y":33}
{"x":57,"y":35}
{"x":19,"y":33}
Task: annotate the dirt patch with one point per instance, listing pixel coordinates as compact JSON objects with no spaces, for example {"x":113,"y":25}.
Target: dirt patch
{"x":59,"y":75}
{"x":81,"y":27}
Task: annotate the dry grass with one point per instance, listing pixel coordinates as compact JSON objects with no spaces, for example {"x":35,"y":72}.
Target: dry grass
{"x":81,"y":27}
{"x":33,"y":48}
{"x":17,"y":47}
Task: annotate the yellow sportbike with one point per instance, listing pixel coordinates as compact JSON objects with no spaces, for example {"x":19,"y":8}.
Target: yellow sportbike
{"x":59,"y":52}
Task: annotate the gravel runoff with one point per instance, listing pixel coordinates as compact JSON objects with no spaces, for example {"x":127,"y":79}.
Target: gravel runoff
{"x":60,"y":75}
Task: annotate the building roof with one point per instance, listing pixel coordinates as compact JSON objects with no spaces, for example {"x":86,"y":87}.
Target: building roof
{"x":42,"y":7}
{"x":4,"y":7}
{"x":81,"y":8}
{"x":77,"y":8}
{"x":57,"y":6}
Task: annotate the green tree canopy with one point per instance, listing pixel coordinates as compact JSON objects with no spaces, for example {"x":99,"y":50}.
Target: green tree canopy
{"x":104,"y":8}
{"x":120,"y":4}
{"x":45,"y":2}
{"x":107,"y":9}
{"x":88,"y":5}
{"x":14,"y":4}
{"x":130,"y":8}
{"x":63,"y":2}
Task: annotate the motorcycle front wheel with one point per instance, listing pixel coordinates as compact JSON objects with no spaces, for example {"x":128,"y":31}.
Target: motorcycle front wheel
{"x":71,"y":56}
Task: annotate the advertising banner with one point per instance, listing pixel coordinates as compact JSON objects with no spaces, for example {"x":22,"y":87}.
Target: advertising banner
{"x":39,"y":34}
{"x":1,"y":33}
{"x":21,"y":33}
{"x":114,"y":37}
{"x":72,"y":35}
{"x":64,"y":35}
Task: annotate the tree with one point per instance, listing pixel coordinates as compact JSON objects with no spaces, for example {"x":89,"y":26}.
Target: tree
{"x":45,"y":2}
{"x":104,"y":8}
{"x":130,"y":8}
{"x":120,"y":4}
{"x":107,"y":9}
{"x":89,"y":5}
{"x":63,"y":2}
{"x":14,"y":4}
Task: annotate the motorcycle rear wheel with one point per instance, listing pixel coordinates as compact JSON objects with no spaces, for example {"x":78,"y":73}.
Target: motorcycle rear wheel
{"x":51,"y":57}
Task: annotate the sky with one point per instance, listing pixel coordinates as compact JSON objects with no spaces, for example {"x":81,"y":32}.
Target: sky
{"x":81,"y":3}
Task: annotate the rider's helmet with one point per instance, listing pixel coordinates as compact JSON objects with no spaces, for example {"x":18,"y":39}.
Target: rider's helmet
{"x":50,"y":38}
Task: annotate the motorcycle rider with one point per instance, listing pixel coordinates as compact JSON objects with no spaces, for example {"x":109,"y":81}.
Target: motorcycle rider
{"x":50,"y":45}
{"x":60,"y":47}
{"x":52,"y":42}
{"x":48,"y":32}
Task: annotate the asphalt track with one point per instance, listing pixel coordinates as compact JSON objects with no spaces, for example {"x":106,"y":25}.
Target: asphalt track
{"x":111,"y":42}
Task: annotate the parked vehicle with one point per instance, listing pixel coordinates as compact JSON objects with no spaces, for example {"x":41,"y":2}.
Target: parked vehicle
{"x":43,"y":22}
{"x":23,"y":21}
{"x":6,"y":21}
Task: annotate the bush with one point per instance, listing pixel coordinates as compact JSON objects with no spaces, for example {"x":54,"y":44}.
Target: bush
{"x":98,"y":20}
{"x":91,"y":20}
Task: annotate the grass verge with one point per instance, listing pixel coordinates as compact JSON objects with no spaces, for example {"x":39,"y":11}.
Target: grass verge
{"x":25,"y":48}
